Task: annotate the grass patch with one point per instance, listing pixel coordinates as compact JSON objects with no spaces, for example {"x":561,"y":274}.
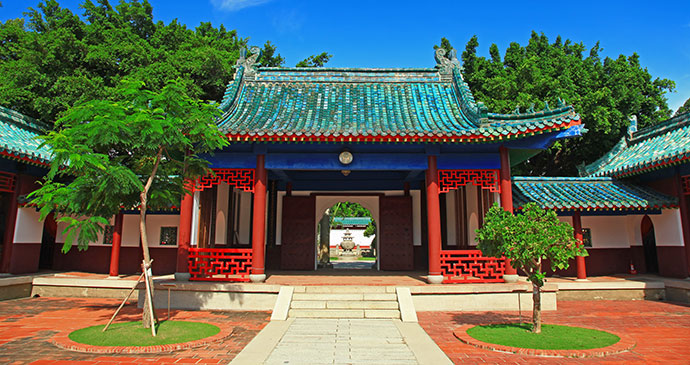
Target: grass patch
{"x":552,"y":337}
{"x":367,"y":259}
{"x":334,"y":259}
{"x":133,"y":334}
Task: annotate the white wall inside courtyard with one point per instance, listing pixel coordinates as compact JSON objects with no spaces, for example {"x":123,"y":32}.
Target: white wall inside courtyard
{"x":28,"y":227}
{"x":625,"y":230}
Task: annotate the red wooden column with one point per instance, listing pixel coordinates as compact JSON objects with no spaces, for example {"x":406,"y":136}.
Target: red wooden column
{"x":259,"y":222}
{"x":579,"y":260}
{"x":507,"y":204}
{"x":433,"y":211}
{"x":683,"y":200}
{"x":183,"y":241}
{"x":117,"y":242}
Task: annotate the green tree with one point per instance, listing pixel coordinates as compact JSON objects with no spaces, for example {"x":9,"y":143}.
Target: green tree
{"x":605,"y":92}
{"x":527,"y":239}
{"x":133,"y":152}
{"x":685,"y":108}
{"x":54,"y":59}
{"x":269,"y":57}
{"x":315,"y":60}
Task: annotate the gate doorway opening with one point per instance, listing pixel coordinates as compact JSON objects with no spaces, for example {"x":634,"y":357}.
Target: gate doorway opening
{"x":346,"y":237}
{"x":649,"y":245}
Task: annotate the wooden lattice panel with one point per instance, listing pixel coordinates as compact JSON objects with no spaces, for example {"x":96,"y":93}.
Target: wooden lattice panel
{"x":220,"y":264}
{"x":452,"y":179}
{"x":470,"y":266}
{"x":686,"y":184}
{"x":7,"y":182}
{"x":242,"y":179}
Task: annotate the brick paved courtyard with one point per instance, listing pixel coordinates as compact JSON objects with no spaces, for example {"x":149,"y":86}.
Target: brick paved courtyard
{"x":661,"y":330}
{"x":26,"y":326}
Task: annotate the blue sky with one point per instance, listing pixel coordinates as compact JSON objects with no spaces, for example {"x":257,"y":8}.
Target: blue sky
{"x":402,"y":33}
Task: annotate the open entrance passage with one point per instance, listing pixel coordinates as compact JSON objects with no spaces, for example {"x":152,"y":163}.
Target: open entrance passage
{"x":346,"y":237}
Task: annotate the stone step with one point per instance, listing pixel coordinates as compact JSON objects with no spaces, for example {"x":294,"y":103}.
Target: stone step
{"x":348,"y":289}
{"x":382,"y":313}
{"x":326,"y":313}
{"x":344,"y":313}
{"x":345,"y":296}
{"x":364,"y":304}
{"x":343,"y":304}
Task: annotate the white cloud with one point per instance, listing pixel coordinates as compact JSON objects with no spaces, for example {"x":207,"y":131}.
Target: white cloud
{"x":234,"y":5}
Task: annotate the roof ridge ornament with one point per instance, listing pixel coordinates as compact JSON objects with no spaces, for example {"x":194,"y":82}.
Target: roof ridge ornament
{"x":249,"y":63}
{"x":632,"y":126}
{"x":445,"y":65}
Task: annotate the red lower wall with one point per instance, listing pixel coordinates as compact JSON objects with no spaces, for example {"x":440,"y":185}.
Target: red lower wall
{"x":25,"y":258}
{"x":97,"y":260}
{"x":672,"y":261}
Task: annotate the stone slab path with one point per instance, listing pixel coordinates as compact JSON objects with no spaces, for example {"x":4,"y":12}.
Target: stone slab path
{"x":341,"y":341}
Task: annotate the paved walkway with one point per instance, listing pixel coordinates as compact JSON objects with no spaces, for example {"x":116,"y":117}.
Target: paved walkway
{"x":341,"y":341}
{"x":661,"y":331}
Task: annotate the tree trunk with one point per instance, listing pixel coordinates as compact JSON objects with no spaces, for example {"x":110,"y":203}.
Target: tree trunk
{"x":148,"y":320}
{"x":536,"y":309}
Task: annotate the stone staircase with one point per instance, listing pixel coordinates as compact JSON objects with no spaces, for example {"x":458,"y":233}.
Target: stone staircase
{"x":344,"y":302}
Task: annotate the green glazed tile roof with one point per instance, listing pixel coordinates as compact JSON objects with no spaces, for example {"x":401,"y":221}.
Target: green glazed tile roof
{"x":18,"y":137}
{"x":351,"y":221}
{"x":587,"y":193}
{"x":658,"y":146}
{"x":347,"y":104}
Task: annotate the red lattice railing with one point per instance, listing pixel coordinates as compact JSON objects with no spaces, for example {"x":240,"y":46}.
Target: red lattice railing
{"x":7,"y":181}
{"x":470,"y":266}
{"x":220,"y":264}
{"x":242,"y":179}
{"x":686,"y":184}
{"x":452,"y":179}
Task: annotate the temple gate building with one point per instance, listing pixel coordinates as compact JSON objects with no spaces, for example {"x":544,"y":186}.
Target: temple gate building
{"x":412,"y":146}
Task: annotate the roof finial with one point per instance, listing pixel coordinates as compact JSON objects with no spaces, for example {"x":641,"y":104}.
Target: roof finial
{"x":445,"y":66}
{"x":531,"y":108}
{"x":632,"y":126}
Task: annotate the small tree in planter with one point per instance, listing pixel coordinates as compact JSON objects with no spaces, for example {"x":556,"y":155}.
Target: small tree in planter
{"x":136,"y":150}
{"x":527,"y":239}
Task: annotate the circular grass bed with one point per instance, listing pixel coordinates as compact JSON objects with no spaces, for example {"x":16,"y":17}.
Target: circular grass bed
{"x":552,"y":337}
{"x":134,"y":334}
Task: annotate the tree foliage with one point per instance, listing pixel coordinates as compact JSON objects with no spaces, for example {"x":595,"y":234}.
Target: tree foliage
{"x":685,"y":108}
{"x":318,"y":60}
{"x":605,"y":92}
{"x":106,"y":152}
{"x":528,"y":239}
{"x":53,"y":59}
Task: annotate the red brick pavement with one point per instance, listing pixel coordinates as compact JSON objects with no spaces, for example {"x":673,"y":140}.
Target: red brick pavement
{"x":661,"y":331}
{"x":27,"y":326}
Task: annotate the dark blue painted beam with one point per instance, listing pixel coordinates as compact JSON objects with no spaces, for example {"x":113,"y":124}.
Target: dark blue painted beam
{"x":361,"y":161}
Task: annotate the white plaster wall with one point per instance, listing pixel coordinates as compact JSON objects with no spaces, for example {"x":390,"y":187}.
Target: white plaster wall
{"x":451,"y":219}
{"x":130,"y":230}
{"x":607,"y":231}
{"x":472,"y":213}
{"x":28,"y":228}
{"x":336,"y":236}
{"x":667,"y":228}
{"x":244,"y":228}
{"x":154,"y":224}
{"x":633,"y":228}
{"x":223,"y":193}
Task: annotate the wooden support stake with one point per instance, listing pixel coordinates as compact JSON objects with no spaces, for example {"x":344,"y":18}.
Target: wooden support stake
{"x":123,"y":303}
